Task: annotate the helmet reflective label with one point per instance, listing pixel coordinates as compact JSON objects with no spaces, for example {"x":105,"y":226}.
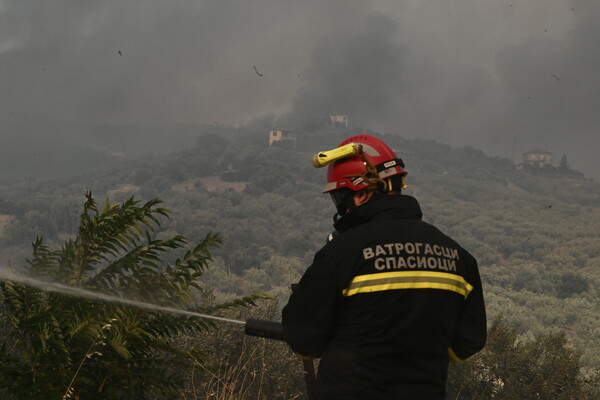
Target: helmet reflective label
{"x":370,"y":150}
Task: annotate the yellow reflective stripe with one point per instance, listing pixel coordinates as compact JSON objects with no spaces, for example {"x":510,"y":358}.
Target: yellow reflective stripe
{"x":408,"y":280}
{"x":453,"y":357}
{"x":300,"y":356}
{"x":407,"y":285}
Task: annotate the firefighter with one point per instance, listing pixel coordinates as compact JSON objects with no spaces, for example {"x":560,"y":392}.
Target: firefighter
{"x":390,"y":300}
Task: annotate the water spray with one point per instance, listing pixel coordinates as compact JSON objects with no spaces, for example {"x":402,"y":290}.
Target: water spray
{"x":88,"y":294}
{"x":252,"y":327}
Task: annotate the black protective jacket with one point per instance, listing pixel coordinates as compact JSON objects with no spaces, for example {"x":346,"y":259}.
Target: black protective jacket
{"x":385,"y":305}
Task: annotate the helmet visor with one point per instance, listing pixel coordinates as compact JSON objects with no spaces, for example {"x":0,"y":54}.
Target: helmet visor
{"x":342,"y":199}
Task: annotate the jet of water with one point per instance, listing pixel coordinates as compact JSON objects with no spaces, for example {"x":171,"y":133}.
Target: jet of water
{"x":88,"y":294}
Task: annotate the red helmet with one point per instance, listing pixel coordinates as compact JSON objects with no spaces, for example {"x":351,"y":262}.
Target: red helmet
{"x":375,"y":163}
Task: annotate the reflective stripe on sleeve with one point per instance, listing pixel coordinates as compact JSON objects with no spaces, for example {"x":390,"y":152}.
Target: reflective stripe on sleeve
{"x":408,"y":280}
{"x":453,"y":357}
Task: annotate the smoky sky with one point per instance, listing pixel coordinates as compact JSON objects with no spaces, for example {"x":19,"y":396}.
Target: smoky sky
{"x":503,"y":76}
{"x":355,"y":71}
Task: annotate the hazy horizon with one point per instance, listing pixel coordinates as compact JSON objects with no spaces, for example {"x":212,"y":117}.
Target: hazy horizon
{"x":502,"y":77}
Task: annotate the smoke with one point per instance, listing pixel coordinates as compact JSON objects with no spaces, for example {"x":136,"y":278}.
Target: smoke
{"x":551,"y":90}
{"x":354,"y":71}
{"x":502,"y":76}
{"x":506,"y":78}
{"x":146,"y":61}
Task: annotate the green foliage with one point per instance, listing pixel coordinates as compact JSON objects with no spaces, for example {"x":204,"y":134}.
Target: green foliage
{"x":534,"y":232}
{"x":65,"y":347}
{"x":512,"y":369}
{"x":571,"y":284}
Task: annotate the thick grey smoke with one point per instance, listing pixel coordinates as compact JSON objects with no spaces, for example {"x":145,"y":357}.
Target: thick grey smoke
{"x":356,"y":70}
{"x":144,"y":61}
{"x":502,"y":76}
{"x":552,"y":90}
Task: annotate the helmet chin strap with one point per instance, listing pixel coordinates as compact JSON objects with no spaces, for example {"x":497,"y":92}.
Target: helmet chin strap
{"x":336,"y":217}
{"x":370,"y":177}
{"x":343,"y":199}
{"x":340,"y":214}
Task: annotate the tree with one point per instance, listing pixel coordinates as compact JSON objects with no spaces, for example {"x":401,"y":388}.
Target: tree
{"x":65,"y":347}
{"x":570,"y":284}
{"x":509,"y":369}
{"x":564,"y":164}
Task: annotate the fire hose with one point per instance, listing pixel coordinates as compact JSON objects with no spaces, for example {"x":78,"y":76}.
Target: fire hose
{"x":274,"y":330}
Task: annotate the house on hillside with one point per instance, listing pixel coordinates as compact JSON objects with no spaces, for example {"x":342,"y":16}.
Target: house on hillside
{"x":281,"y":136}
{"x":537,"y":158}
{"x":339,"y":120}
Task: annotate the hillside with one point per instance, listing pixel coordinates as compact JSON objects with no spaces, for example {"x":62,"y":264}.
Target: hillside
{"x":33,"y":148}
{"x":535,"y":232}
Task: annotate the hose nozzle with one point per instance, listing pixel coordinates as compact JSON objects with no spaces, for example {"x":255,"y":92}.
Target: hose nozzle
{"x":265,"y":329}
{"x":325,"y":157}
